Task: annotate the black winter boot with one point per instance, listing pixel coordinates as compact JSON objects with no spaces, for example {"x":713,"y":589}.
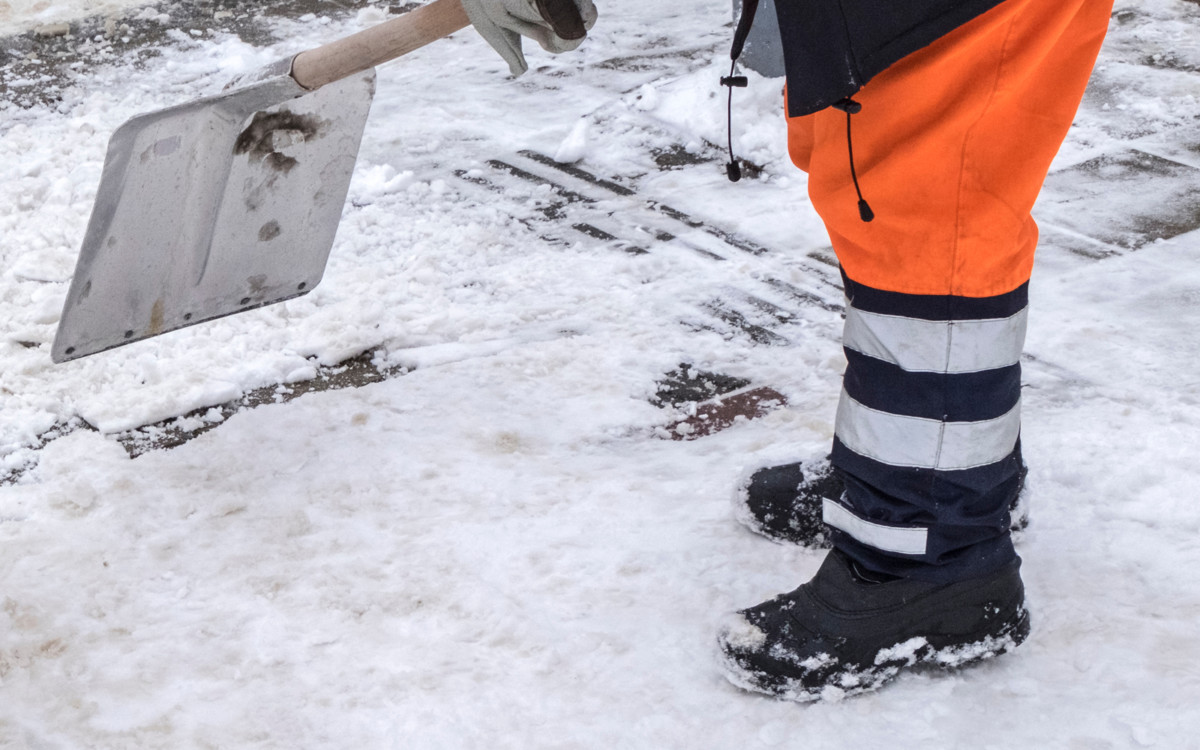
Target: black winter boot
{"x":784,"y":503}
{"x":840,"y":634}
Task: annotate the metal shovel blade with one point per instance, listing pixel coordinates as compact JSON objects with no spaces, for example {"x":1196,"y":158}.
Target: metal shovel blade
{"x":214,"y":207}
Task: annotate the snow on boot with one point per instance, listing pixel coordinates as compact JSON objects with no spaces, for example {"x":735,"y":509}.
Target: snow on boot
{"x":841,"y":634}
{"x":784,"y":503}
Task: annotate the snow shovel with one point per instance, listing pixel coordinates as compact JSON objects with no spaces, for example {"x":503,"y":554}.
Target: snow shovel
{"x":230,"y":202}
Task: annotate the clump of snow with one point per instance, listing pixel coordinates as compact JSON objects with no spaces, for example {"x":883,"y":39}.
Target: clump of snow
{"x":20,"y":15}
{"x":377,"y":180}
{"x":906,"y":652}
{"x":647,"y":98}
{"x":741,"y":634}
{"x":371,"y":15}
{"x":574,"y":147}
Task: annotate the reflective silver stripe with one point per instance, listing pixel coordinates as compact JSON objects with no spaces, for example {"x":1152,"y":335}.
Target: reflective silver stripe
{"x":903,"y":540}
{"x":946,"y":346}
{"x":925,"y":443}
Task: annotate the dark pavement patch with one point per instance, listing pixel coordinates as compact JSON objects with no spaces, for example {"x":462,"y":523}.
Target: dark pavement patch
{"x":1160,"y":199}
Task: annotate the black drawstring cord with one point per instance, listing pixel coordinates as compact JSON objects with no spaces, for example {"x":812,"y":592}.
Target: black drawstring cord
{"x":732,"y":170}
{"x":851,"y":107}
{"x":847,"y":105}
{"x":749,"y":7}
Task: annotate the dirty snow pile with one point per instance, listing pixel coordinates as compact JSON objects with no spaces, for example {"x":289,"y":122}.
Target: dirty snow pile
{"x":18,"y":15}
{"x":496,"y":547}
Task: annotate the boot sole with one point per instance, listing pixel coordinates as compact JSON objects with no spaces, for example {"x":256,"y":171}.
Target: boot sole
{"x":942,"y":653}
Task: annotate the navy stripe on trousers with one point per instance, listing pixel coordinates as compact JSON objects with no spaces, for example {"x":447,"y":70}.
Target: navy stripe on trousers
{"x":928,"y":431}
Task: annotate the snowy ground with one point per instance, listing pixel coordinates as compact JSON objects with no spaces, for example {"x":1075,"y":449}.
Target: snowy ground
{"x":496,"y":546}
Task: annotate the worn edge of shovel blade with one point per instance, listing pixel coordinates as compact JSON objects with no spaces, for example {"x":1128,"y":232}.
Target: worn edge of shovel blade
{"x":196,"y":189}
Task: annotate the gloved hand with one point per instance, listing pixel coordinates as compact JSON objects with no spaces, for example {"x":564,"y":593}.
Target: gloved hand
{"x":557,"y":25}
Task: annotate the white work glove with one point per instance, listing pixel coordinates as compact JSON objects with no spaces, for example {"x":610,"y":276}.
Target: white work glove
{"x":557,"y":25}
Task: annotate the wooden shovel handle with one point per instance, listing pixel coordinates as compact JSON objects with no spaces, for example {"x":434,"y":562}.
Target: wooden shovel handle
{"x":378,"y":44}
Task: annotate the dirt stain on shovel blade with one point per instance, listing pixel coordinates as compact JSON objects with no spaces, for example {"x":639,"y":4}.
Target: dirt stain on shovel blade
{"x":269,"y":133}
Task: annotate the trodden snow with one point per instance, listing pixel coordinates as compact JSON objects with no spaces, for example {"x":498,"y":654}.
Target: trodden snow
{"x":497,"y":547}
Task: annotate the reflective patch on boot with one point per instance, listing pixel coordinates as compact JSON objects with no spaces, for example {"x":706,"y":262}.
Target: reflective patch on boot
{"x":902,"y":540}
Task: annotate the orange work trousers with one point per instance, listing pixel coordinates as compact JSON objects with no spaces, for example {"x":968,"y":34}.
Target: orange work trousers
{"x":951,"y":147}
